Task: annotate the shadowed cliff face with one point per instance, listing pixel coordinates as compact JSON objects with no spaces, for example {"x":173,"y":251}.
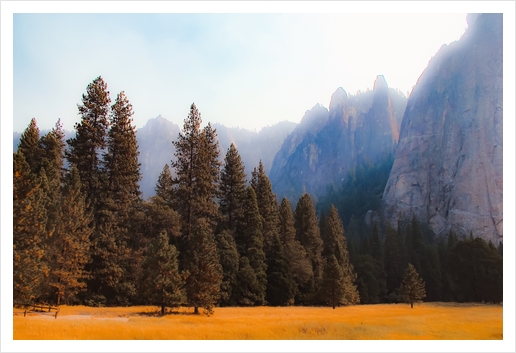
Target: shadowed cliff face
{"x":326,"y":145}
{"x":448,"y":165}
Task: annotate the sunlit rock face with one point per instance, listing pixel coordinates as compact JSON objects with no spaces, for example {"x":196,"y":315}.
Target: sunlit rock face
{"x":448,"y":165}
{"x":327,"y":144}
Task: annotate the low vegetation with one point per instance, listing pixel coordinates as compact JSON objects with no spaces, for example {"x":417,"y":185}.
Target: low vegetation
{"x":427,"y":321}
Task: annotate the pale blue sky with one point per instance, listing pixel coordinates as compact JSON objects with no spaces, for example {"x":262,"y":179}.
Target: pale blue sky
{"x":247,"y":70}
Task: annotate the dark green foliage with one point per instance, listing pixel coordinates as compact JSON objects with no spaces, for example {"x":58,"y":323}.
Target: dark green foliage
{"x":281,"y":287}
{"x":121,"y":157}
{"x":298,"y":262}
{"x":251,"y":244}
{"x":164,"y":284}
{"x":248,"y":290}
{"x":477,"y":270}
{"x":165,"y":186}
{"x":335,"y":246}
{"x":308,"y":234}
{"x":360,"y":192}
{"x":394,"y":263}
{"x":333,"y":287}
{"x":90,"y":139}
{"x":146,"y":221}
{"x":377,"y":252}
{"x":204,"y":269}
{"x":70,"y":244}
{"x":412,"y":287}
{"x":29,"y":223}
{"x":232,"y":190}
{"x":197,"y":172}
{"x":367,"y":284}
{"x":228,"y":256}
{"x":267,"y":205}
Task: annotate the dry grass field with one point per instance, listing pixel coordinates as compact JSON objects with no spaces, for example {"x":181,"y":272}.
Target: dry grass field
{"x":428,"y":321}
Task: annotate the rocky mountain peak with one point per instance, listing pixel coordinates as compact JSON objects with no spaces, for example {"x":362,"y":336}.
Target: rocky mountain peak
{"x":448,"y":167}
{"x":380,"y":85}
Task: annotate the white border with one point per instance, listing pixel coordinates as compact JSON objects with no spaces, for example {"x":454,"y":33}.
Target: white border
{"x":8,"y":8}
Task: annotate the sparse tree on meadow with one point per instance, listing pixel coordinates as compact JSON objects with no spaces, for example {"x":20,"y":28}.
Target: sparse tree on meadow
{"x":412,"y":287}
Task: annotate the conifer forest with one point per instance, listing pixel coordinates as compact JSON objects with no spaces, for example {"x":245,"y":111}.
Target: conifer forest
{"x":213,"y":236}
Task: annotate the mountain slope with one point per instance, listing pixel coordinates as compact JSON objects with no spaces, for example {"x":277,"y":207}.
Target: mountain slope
{"x":329,"y":143}
{"x":448,"y":165}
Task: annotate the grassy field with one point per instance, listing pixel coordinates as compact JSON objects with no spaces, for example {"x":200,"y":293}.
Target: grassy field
{"x":429,"y":321}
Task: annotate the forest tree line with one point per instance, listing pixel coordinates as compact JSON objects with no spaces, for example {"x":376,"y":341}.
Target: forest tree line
{"x":83,"y":234}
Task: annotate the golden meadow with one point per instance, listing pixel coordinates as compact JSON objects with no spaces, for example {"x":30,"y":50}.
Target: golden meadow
{"x":427,"y":321}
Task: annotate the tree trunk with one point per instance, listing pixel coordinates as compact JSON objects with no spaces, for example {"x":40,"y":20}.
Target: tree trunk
{"x":411,"y":305}
{"x":162,"y":310}
{"x":196,"y":310}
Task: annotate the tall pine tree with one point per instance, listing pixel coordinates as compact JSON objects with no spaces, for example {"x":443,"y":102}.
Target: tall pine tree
{"x":232,"y":190}
{"x":296,"y":257}
{"x":336,"y":246}
{"x":250,"y":245}
{"x":163,"y":283}
{"x":165,"y":186}
{"x":308,"y":234}
{"x":84,"y":150}
{"x":70,"y":243}
{"x":197,"y":171}
{"x":204,"y":269}
{"x":29,"y":234}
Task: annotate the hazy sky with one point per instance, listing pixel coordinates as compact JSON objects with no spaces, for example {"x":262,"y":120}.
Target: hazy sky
{"x":247,"y":70}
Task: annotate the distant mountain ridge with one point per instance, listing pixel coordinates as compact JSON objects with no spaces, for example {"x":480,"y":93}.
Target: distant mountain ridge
{"x":327,"y":144}
{"x":156,"y":148}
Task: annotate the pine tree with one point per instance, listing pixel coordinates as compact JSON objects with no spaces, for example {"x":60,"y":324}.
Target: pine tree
{"x":164,"y":284}
{"x":165,"y":186}
{"x":204,"y":269}
{"x":296,"y":257}
{"x":377,"y":252}
{"x":247,"y":284}
{"x":121,"y":158}
{"x":281,"y":287}
{"x":71,"y":242}
{"x":228,"y":256}
{"x":52,"y":146}
{"x":308,"y":234}
{"x":197,"y":172}
{"x":250,"y":244}
{"x":333,"y":287}
{"x":29,"y":223}
{"x":29,"y":145}
{"x":232,"y":190}
{"x":393,"y":259}
{"x":336,"y":246}
{"x":412,"y":287}
{"x":267,"y":205}
{"x":121,"y":194}
{"x":85,"y":148}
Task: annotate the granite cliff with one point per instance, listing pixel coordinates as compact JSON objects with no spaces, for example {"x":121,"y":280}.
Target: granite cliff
{"x":328,"y":143}
{"x":448,"y":167}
